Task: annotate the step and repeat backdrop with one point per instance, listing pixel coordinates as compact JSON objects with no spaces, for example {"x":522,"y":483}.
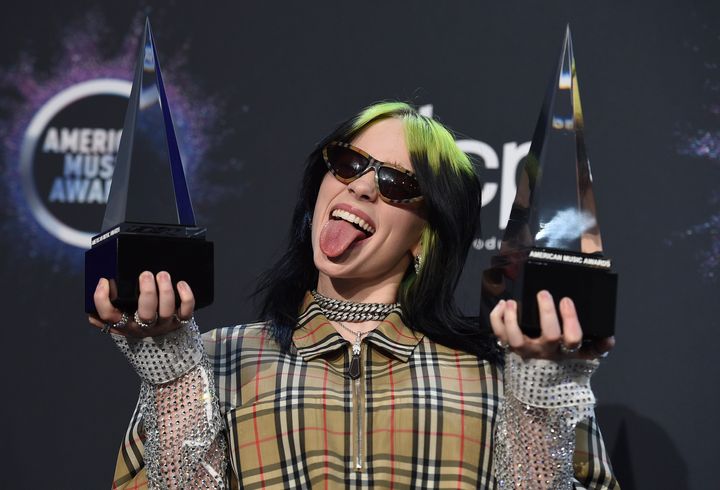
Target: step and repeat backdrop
{"x":253,"y":86}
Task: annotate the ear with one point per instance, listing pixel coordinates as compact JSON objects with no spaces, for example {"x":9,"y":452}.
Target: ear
{"x":417,"y":249}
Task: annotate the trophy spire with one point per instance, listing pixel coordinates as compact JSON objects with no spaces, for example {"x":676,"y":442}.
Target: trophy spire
{"x":149,"y":223}
{"x":555,"y":204}
{"x":148,"y":166}
{"x":552,"y":239}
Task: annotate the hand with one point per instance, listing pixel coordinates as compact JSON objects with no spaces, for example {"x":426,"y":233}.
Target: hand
{"x":150,"y":305}
{"x":503,"y":319}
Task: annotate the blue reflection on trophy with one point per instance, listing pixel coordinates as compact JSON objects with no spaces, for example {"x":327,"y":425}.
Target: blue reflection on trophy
{"x":149,"y":223}
{"x":552,"y":240}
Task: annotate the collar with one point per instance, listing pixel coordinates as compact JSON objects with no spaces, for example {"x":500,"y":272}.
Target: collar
{"x":316,"y":336}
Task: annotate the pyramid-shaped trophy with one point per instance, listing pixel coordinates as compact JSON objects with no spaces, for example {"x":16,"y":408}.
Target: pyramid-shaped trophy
{"x":149,"y":222}
{"x":552,"y":240}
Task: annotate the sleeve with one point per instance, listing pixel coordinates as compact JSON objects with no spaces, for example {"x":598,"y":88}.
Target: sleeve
{"x":547,"y":410}
{"x":176,"y":435}
{"x":591,"y":464}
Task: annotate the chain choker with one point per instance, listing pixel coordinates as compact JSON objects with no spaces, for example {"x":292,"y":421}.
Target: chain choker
{"x":350,"y":311}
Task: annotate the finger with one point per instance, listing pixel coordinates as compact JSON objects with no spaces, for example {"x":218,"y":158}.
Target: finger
{"x":166,"y":305}
{"x":549,"y":324}
{"x":598,"y":348}
{"x":100,"y":325}
{"x":572,"y":331}
{"x":113,"y":289}
{"x":187,"y":301}
{"x":496,"y":319}
{"x":95,"y":321}
{"x":606,"y":344}
{"x":515,"y":337}
{"x":148,"y":300}
{"x":106,"y":311}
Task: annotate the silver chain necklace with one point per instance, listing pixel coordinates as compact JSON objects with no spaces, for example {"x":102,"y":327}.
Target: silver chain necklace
{"x":358,"y":337}
{"x":351,"y":311}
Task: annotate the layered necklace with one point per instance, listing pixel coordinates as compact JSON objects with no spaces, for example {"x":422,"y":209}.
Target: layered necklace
{"x":349,"y":311}
{"x":340,"y":311}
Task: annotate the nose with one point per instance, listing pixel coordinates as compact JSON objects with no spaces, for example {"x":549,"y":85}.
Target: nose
{"x":364,"y":187}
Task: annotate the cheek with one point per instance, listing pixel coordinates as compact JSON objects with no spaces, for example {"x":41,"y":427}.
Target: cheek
{"x":407,"y":229}
{"x":329,"y":188}
{"x":326,"y":192}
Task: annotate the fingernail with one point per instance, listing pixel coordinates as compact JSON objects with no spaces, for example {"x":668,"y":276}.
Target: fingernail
{"x":163,"y":276}
{"x":146,"y":276}
{"x":99,"y":285}
{"x":545,"y":296}
{"x":501,"y":303}
{"x":182,"y":285}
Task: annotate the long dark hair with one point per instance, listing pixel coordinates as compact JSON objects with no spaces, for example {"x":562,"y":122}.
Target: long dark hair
{"x":451,"y":190}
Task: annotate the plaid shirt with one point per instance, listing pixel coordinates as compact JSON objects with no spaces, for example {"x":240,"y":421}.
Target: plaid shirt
{"x":421,"y":415}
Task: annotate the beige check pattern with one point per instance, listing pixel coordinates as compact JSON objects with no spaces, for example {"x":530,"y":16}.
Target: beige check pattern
{"x":421,"y":415}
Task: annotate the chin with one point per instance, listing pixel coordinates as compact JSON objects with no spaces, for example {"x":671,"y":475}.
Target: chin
{"x":333,"y":268}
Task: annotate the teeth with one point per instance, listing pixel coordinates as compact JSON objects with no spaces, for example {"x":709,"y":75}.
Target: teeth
{"x":351,"y":218}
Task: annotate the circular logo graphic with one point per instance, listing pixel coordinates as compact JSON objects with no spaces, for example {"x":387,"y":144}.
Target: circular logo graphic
{"x":68,"y":156}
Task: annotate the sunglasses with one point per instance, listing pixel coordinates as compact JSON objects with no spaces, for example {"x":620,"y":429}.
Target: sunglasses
{"x":394,"y":183}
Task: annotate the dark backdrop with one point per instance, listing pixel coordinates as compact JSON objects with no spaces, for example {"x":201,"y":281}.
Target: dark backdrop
{"x":254,"y":85}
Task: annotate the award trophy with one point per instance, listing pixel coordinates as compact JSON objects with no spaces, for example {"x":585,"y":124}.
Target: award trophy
{"x":149,"y":222}
{"x":552,"y":240}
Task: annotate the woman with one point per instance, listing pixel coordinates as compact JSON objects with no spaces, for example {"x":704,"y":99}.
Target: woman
{"x":363,"y":374}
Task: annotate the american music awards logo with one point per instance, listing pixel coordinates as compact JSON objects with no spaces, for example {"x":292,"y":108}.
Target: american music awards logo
{"x":60,"y":126}
{"x":67,"y":157}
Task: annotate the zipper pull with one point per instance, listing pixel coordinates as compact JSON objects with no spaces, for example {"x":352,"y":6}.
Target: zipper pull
{"x":354,"y":370}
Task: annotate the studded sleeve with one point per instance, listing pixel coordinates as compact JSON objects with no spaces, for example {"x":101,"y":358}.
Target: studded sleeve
{"x":175,"y":439}
{"x":535,"y":436}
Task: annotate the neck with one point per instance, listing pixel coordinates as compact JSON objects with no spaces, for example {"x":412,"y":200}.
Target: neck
{"x":371,"y":291}
{"x":383,"y":291}
{"x":351,"y":329}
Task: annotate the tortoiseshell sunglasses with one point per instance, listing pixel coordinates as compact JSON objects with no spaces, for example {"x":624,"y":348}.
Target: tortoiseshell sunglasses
{"x":394,"y":183}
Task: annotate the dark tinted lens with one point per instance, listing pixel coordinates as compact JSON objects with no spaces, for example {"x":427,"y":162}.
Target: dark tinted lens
{"x":397,"y":185}
{"x":345,"y":162}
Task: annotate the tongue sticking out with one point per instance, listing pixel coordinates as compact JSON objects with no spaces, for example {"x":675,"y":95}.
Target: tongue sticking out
{"x":337,"y":235}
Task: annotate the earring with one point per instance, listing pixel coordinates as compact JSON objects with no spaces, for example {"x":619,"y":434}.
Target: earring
{"x":418,"y":263}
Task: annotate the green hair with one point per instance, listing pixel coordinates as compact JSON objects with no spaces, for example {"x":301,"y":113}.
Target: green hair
{"x":428,"y":141}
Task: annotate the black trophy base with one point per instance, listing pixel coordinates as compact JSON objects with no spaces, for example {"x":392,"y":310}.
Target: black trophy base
{"x":594,"y":292}
{"x":592,"y":289}
{"x":123,"y":256}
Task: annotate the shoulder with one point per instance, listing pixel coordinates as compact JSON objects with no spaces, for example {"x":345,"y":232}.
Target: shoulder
{"x":234,"y":354}
{"x":459,"y":375}
{"x":250,"y":337}
{"x":434,"y":353}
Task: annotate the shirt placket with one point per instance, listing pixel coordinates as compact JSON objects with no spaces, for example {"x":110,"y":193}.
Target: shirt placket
{"x":357,"y":382}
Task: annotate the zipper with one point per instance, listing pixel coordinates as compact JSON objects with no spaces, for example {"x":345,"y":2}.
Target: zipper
{"x":355,"y":371}
{"x":358,"y":452}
